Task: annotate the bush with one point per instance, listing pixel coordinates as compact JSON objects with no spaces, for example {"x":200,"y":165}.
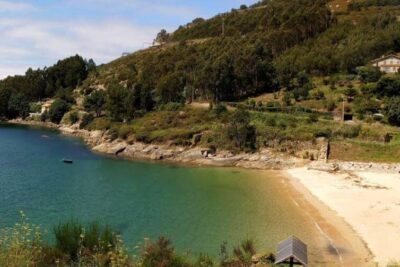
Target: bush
{"x":388,"y":86}
{"x":350,"y":92}
{"x":241,"y":132}
{"x":20,"y":245}
{"x":219,"y":109}
{"x":101,"y":124}
{"x":312,"y":118}
{"x":369,"y":74}
{"x":86,"y":120}
{"x":392,"y":110}
{"x":72,"y":238}
{"x":57,"y":110}
{"x":44,"y":116}
{"x":73,"y":117}
{"x":330,"y":105}
{"x":124,"y":131}
{"x":95,"y":102}
{"x":318,"y":95}
{"x":161,"y":253}
{"x":347,"y":131}
{"x":35,"y":107}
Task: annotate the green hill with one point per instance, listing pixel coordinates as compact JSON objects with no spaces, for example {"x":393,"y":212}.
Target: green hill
{"x":290,"y":65}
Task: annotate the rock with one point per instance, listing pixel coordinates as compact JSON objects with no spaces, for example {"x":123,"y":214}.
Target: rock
{"x":111,"y":148}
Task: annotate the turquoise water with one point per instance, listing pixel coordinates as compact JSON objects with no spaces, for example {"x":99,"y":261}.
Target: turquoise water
{"x":198,"y":208}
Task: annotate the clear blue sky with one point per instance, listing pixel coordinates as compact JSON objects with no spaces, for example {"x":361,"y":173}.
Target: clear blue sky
{"x":36,"y":33}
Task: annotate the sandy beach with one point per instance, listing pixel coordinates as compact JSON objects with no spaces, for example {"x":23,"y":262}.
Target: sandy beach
{"x":369,"y":202}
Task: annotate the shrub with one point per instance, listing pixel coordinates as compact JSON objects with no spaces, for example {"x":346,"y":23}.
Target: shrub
{"x":368,"y":89}
{"x":44,"y":116}
{"x":347,"y":131}
{"x":72,"y":238}
{"x":73,"y":117}
{"x":240,"y":131}
{"x":392,"y":110}
{"x":369,"y":74}
{"x":86,"y":120}
{"x":95,"y":102}
{"x":219,"y":109}
{"x":35,"y":107}
{"x":101,"y":124}
{"x":124,"y":131}
{"x":330,"y":105}
{"x":318,"y":95}
{"x":350,"y":92}
{"x":204,"y":261}
{"x":323,"y":132}
{"x":312,"y":118}
{"x":57,"y":110}
{"x":161,"y":253}
{"x":20,"y":245}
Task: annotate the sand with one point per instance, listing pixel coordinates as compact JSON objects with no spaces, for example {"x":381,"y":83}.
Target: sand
{"x":368,"y":202}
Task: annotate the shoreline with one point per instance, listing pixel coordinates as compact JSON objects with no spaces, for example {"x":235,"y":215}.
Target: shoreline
{"x":349,"y":246}
{"x":100,"y":142}
{"x":366,"y":201}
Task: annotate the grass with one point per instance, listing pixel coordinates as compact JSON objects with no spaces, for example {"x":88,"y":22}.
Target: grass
{"x":161,"y":126}
{"x":365,"y":151}
{"x":356,"y":142}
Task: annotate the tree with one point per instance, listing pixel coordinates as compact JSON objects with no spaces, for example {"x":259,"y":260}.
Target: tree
{"x":18,"y":106}
{"x":95,"y":102}
{"x":162,"y":37}
{"x":91,"y":66}
{"x":241,"y":132}
{"x":388,"y":86}
{"x":57,"y":110}
{"x":170,"y":88}
{"x":392,"y":110}
{"x":115,"y":101}
{"x":4,"y":99}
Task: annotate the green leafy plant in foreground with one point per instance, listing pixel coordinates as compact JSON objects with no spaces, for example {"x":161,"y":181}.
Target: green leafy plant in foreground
{"x":20,"y":245}
{"x":93,"y":245}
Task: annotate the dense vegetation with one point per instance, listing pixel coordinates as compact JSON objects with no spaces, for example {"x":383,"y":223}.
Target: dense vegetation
{"x":288,"y":68}
{"x":357,"y":6}
{"x":16,"y":93}
{"x":94,"y":245}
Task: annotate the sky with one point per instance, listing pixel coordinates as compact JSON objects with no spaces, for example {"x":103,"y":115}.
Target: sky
{"x":37,"y":33}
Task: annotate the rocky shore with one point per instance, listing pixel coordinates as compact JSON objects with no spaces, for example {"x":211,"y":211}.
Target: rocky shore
{"x":266,"y":159}
{"x":101,"y":142}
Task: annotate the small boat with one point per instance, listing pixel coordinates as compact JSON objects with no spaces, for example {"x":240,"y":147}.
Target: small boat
{"x":67,"y":161}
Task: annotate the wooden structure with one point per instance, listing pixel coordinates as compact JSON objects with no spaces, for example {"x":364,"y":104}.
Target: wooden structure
{"x":292,"y":251}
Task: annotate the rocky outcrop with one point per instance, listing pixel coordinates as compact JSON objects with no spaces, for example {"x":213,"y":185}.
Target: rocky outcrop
{"x":101,"y":142}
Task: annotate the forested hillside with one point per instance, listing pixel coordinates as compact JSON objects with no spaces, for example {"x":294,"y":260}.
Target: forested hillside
{"x":290,"y":65}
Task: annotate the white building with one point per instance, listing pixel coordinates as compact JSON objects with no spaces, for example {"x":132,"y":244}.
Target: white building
{"x":387,"y":64}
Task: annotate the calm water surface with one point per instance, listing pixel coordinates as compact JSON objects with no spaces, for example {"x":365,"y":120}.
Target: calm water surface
{"x":198,"y":208}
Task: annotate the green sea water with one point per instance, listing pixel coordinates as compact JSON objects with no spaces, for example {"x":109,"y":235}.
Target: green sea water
{"x":197,"y":208}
